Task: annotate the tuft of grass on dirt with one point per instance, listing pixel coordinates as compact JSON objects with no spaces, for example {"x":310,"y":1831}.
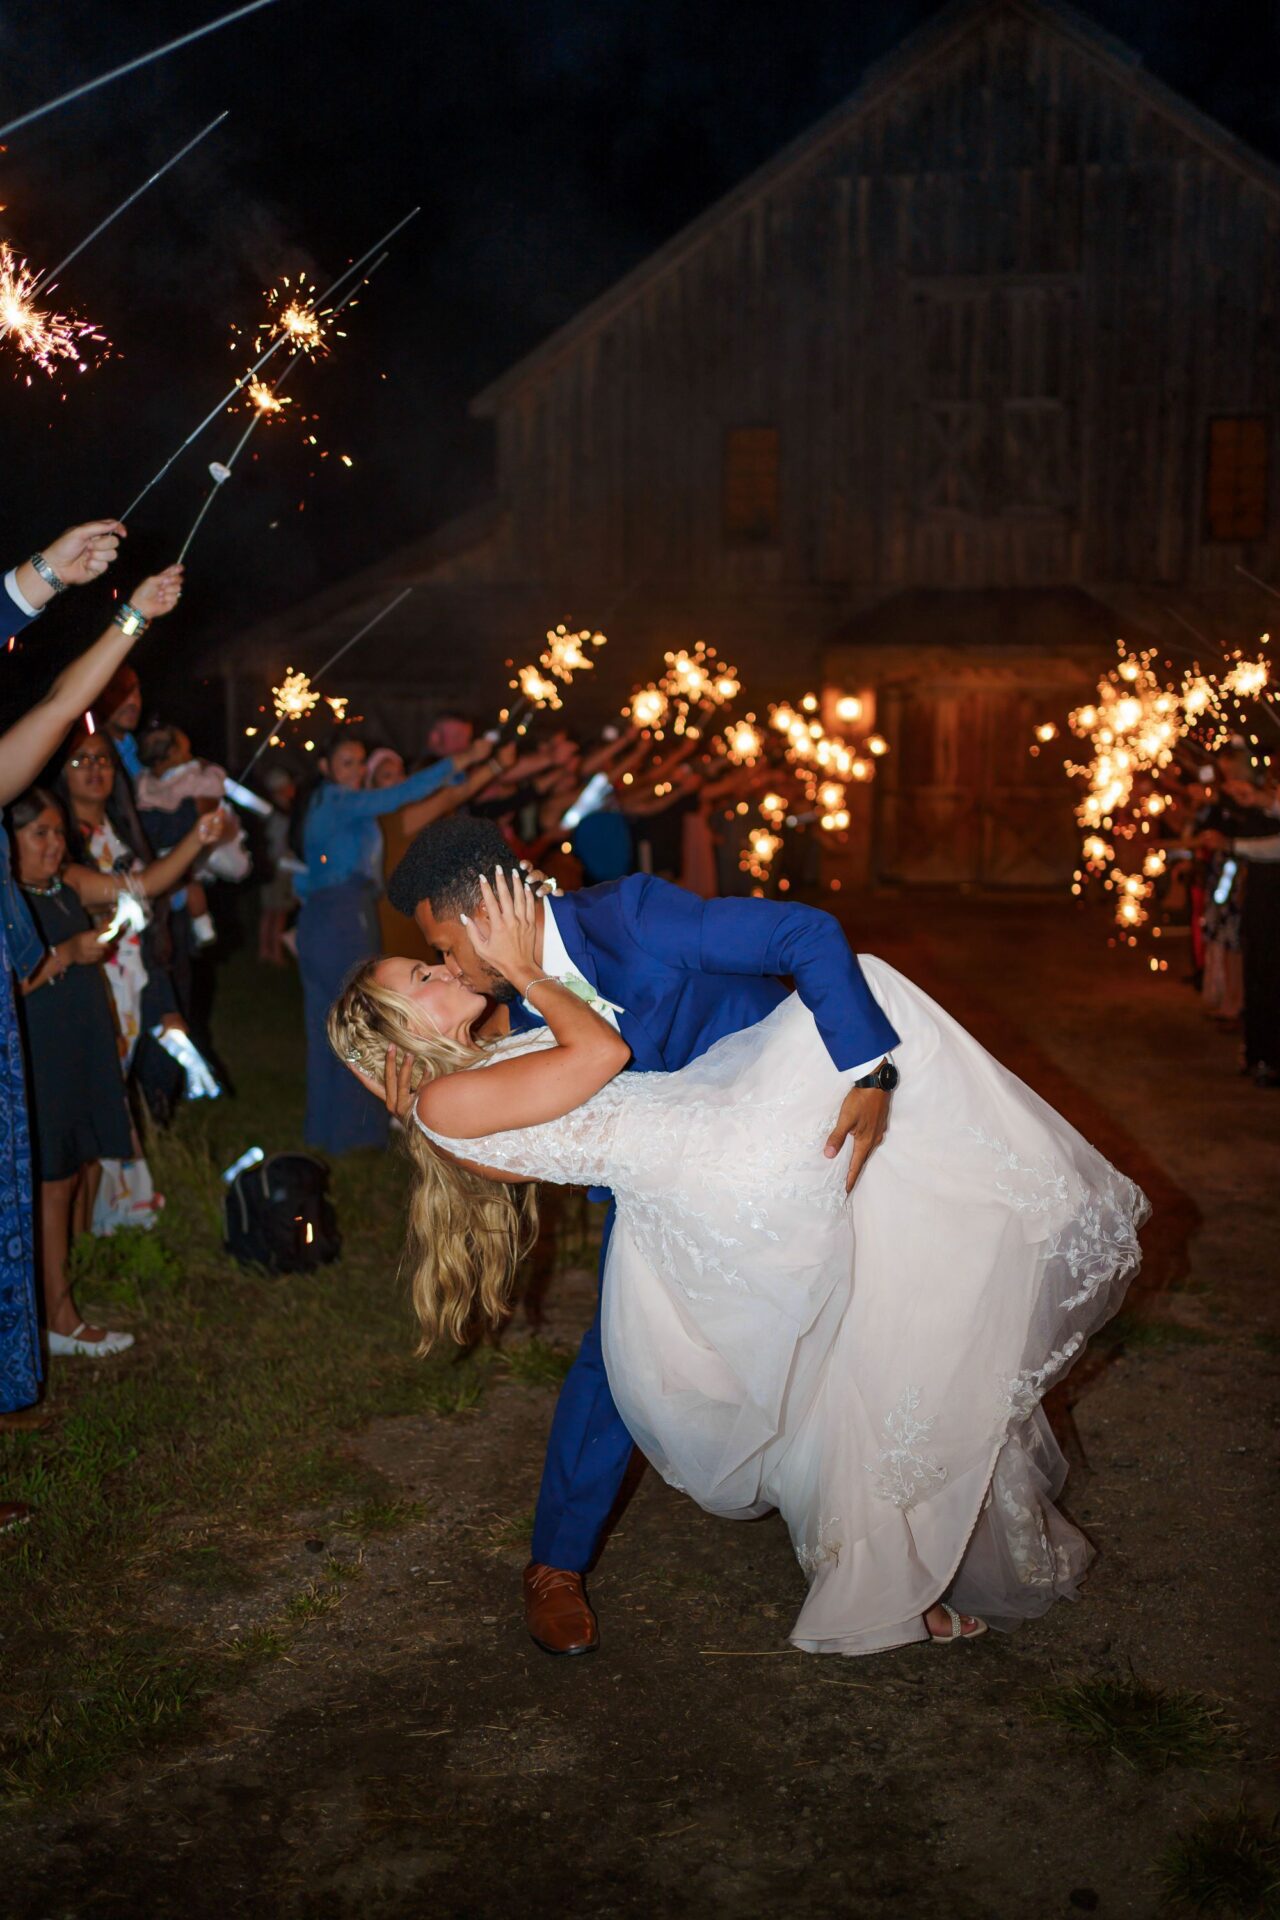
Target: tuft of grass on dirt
{"x":1147,"y":1728}
{"x":1227,"y":1862}
{"x":381,"y":1516}
{"x":536,"y":1362}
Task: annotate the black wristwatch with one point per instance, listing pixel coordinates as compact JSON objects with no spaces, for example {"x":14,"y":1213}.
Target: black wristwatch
{"x":885,"y":1077}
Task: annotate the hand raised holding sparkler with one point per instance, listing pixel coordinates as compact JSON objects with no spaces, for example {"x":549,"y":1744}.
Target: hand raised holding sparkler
{"x":159,"y":593}
{"x":75,"y":558}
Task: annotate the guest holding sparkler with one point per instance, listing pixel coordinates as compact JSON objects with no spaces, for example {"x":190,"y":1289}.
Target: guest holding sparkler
{"x":79,"y":1110}
{"x":336,"y":835}
{"x":24,"y":749}
{"x":74,"y":559}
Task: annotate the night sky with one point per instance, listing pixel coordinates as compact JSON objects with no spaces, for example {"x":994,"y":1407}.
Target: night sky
{"x":551,"y":144}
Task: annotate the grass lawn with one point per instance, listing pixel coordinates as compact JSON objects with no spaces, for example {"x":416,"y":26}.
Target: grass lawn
{"x":166,"y":1478}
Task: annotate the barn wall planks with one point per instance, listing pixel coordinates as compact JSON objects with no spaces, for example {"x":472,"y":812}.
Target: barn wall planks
{"x":990,"y":317}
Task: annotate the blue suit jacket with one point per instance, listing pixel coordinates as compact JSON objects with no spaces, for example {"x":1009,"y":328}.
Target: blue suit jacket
{"x":687,"y":971}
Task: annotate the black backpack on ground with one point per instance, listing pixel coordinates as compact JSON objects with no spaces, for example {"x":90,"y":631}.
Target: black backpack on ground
{"x":278,"y":1215}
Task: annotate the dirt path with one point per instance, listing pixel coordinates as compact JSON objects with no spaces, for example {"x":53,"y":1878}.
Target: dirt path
{"x":416,"y":1755}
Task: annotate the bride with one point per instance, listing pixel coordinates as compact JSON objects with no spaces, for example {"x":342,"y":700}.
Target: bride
{"x":873,"y":1365}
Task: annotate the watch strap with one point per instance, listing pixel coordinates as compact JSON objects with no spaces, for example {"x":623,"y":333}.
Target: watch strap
{"x":47,"y":574}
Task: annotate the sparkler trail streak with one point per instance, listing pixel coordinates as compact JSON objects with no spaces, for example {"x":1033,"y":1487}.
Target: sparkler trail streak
{"x":332,"y":661}
{"x":47,"y":279}
{"x":131,"y":66}
{"x":265,"y":403}
{"x":355,"y":268}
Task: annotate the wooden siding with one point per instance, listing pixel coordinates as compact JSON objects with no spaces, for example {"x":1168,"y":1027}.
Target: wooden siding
{"x":990,"y":321}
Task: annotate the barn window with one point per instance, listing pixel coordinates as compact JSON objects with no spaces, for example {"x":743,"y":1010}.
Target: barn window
{"x":751,"y":485}
{"x":1235,"y":493}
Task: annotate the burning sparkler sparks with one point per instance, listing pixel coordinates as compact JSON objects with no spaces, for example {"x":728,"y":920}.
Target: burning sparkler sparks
{"x":538,"y":685}
{"x":648,"y":709}
{"x":1135,"y":730}
{"x":294,"y":697}
{"x":565,"y":653}
{"x":742,"y":742}
{"x":37,"y":333}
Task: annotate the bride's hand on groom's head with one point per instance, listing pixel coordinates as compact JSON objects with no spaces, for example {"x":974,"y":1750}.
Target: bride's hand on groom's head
{"x":507,"y":936}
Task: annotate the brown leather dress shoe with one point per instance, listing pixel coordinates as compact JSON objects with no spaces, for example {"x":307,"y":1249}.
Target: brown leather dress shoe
{"x":557,"y":1612}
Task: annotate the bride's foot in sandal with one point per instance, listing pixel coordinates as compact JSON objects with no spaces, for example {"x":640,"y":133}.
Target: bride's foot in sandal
{"x":945,"y":1624}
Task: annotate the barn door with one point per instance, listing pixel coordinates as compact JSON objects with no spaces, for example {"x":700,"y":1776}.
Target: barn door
{"x":961,"y":800}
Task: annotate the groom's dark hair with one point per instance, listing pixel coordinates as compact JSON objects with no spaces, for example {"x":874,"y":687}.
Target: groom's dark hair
{"x":444,"y":863}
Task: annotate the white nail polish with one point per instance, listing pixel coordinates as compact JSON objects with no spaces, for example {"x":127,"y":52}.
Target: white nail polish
{"x":465,"y":919}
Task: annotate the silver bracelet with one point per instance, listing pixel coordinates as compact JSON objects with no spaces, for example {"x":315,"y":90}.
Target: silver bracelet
{"x":543,"y":980}
{"x":47,"y":574}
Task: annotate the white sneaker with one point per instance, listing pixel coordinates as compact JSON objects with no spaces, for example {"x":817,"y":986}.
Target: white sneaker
{"x":67,"y":1343}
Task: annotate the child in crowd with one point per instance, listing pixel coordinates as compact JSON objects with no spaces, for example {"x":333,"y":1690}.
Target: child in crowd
{"x":172,"y":791}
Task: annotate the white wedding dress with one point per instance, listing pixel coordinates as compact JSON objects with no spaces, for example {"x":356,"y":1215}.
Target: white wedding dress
{"x":872,"y":1367}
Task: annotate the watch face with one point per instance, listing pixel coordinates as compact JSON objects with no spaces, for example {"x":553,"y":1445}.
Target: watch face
{"x":889,"y":1076}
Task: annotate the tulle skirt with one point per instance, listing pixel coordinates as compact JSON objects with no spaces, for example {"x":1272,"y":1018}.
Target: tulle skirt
{"x":873,"y":1367}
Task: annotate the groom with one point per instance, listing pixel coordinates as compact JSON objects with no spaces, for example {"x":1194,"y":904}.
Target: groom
{"x":674,"y":973}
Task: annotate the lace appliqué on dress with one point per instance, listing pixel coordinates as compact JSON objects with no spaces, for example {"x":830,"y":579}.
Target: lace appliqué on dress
{"x":903,"y":1472}
{"x":1040,"y":1183}
{"x":826,"y":1549}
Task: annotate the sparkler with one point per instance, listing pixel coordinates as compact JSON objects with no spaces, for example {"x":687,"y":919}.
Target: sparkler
{"x":265,"y":400}
{"x":130,"y":66}
{"x":297,"y":688}
{"x":742,"y":742}
{"x":538,"y":685}
{"x":648,"y":710}
{"x":354,"y":270}
{"x":1135,"y":730}
{"x":42,"y":336}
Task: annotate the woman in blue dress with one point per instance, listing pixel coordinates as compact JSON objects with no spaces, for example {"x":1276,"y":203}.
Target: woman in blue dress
{"x":341,"y":846}
{"x":76,"y":557}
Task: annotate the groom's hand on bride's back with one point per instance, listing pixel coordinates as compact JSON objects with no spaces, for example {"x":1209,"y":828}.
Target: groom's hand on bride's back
{"x":864,"y":1115}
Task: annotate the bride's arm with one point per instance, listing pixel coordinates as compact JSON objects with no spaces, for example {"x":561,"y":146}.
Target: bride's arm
{"x":541,"y":1086}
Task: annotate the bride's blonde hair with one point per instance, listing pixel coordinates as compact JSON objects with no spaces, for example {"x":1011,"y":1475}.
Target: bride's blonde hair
{"x":466,"y":1235}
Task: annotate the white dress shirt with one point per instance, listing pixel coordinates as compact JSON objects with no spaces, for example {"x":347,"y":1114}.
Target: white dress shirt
{"x":556,"y":962}
{"x":18,"y":598}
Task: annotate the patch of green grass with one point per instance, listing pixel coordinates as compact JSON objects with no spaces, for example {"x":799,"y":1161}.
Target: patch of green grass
{"x":1227,"y":1862}
{"x":537,"y":1362}
{"x":1138,"y":1330}
{"x":120,"y":1698}
{"x":339,"y":1569}
{"x":382,"y":1516}
{"x":313,"y":1601}
{"x":1148,"y":1728}
{"x":260,"y":1643}
{"x":233,"y":1411}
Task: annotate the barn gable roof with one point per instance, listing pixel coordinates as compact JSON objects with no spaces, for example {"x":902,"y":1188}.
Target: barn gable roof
{"x":929,"y":42}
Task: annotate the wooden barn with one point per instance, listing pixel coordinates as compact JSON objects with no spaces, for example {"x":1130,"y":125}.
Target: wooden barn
{"x":979,"y":374}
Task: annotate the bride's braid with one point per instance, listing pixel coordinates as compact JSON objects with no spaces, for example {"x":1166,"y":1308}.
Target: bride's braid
{"x":466,"y":1235}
